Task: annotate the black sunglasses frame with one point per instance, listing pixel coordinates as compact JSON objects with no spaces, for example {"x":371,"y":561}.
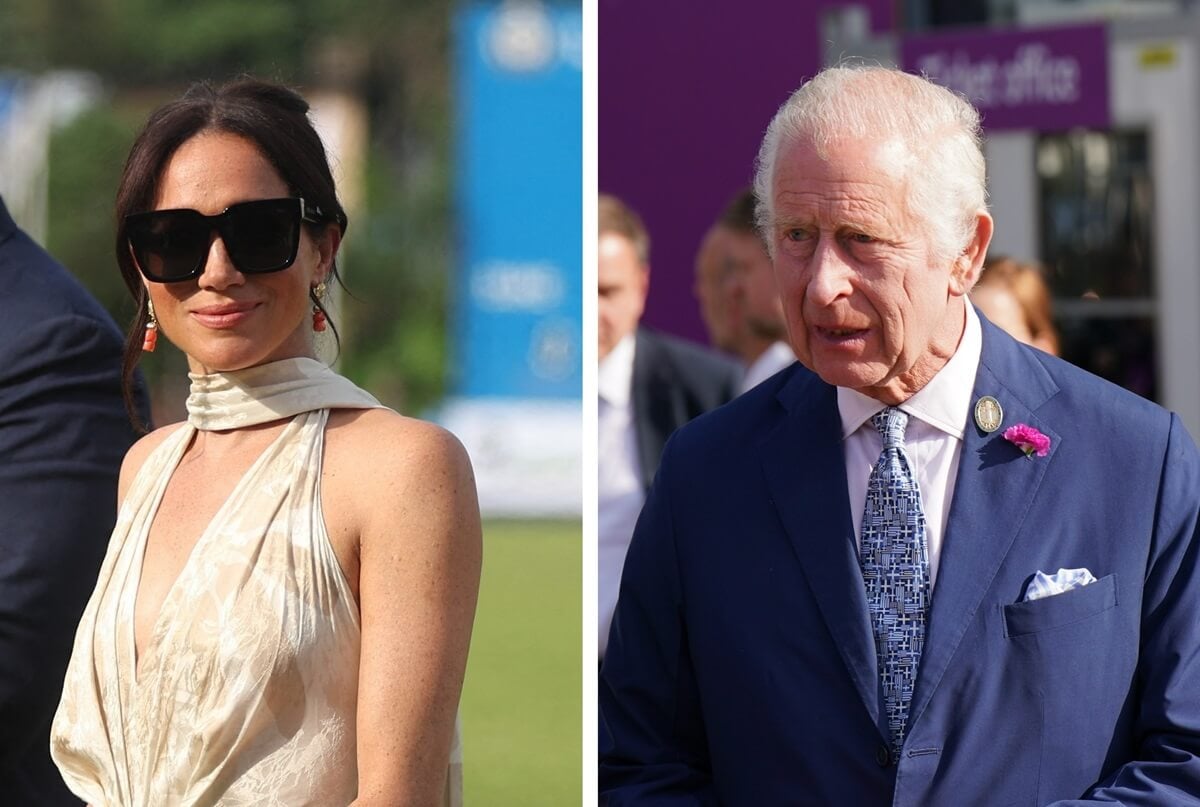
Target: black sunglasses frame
{"x":224,"y":224}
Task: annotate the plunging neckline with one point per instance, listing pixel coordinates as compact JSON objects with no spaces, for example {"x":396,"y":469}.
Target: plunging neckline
{"x":154,"y":639}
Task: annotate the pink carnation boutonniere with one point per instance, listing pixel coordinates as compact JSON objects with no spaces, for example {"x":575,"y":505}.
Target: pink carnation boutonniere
{"x":1028,"y":439}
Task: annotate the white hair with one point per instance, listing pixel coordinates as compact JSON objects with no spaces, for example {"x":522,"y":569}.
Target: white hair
{"x":938,"y":129}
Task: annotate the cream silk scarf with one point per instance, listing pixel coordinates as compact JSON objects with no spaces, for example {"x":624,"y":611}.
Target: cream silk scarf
{"x":247,"y":687}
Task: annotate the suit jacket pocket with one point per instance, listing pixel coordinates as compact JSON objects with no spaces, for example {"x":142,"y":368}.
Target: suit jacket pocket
{"x":1021,"y":618}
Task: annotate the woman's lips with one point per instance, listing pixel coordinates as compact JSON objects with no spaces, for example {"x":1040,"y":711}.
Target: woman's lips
{"x":221,"y":317}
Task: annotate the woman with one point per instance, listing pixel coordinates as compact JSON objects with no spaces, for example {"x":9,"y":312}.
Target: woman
{"x":1014,"y":296}
{"x":284,"y":611}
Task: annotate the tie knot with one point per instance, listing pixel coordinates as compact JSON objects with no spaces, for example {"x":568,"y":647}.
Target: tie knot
{"x":891,"y":423}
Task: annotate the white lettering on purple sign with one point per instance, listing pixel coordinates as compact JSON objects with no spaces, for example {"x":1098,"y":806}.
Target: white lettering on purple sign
{"x":1033,"y":76}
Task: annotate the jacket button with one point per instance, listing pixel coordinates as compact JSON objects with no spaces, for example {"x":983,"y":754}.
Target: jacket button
{"x":883,"y":756}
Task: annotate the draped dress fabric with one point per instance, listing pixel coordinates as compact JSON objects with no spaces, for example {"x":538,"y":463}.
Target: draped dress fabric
{"x":246,"y":691}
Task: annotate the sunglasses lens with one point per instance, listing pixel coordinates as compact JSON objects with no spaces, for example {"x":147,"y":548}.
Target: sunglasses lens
{"x":172,"y":245}
{"x":262,"y":236}
{"x":168,"y":244}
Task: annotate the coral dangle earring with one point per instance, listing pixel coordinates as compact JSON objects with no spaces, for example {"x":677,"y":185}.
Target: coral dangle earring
{"x":150,"y":340}
{"x":319,"y":320}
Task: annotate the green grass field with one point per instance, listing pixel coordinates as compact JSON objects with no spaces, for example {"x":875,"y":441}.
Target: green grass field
{"x":521,"y":706}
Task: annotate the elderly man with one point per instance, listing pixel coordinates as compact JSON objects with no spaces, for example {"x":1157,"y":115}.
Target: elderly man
{"x":649,"y":385}
{"x":932,"y":566}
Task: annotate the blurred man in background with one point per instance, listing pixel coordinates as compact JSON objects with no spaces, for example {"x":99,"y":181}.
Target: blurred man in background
{"x":649,"y":385}
{"x":740,"y":302}
{"x":719,"y":293}
{"x":63,"y":432}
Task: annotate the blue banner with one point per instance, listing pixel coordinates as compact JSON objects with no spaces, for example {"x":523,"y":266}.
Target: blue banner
{"x":518,"y":291}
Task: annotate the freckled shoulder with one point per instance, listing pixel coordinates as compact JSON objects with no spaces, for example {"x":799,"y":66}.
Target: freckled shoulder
{"x":384,"y":462}
{"x":136,"y":456}
{"x":387,"y":440}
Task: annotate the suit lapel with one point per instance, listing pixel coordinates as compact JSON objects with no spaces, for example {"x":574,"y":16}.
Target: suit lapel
{"x":993,"y":489}
{"x":805,"y":470}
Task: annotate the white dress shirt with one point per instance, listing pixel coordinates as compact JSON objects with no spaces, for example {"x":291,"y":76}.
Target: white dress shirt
{"x":770,"y":362}
{"x":621,"y":489}
{"x":933,"y":442}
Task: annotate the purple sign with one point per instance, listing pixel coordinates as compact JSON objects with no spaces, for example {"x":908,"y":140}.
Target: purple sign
{"x":1045,"y":79}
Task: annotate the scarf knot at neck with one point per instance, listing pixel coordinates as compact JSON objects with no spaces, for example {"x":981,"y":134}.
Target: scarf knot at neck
{"x":281,"y":389}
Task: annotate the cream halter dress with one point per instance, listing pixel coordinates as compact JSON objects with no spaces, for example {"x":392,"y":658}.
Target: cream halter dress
{"x":248,"y":686}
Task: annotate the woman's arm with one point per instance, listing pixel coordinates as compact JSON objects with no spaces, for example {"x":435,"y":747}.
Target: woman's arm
{"x":420,"y":552}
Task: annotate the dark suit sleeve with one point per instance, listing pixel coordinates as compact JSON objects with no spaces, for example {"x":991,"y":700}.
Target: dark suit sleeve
{"x":653,"y":749}
{"x":63,"y":433}
{"x":1167,"y":770}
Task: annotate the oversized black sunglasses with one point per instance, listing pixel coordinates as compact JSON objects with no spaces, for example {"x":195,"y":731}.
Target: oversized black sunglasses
{"x":260,"y":236}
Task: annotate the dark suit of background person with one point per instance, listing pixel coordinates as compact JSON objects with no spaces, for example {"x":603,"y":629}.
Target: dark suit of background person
{"x":63,"y":433}
{"x":742,"y":664}
{"x":674,"y":381}
{"x":648,"y":384}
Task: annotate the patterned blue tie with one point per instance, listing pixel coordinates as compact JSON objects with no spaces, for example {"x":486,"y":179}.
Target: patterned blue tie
{"x":895,"y":569}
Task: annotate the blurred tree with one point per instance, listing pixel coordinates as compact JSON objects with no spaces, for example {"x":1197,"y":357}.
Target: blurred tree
{"x":391,"y":258}
{"x":85,"y":164}
{"x":138,"y":41}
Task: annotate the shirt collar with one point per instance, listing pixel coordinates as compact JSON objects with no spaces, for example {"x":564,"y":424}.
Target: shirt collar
{"x":614,"y":378}
{"x":779,"y":354}
{"x":943,"y":403}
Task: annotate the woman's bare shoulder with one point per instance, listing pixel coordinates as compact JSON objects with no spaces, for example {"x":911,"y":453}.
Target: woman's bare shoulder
{"x":380,"y":439}
{"x":136,"y":456}
{"x":393,"y":462}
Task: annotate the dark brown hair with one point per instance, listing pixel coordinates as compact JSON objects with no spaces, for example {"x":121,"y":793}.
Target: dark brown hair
{"x":738,"y":215}
{"x":273,"y":117}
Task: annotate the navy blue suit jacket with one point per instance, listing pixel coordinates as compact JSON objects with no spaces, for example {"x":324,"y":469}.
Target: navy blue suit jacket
{"x":741,"y":667}
{"x":63,"y":433}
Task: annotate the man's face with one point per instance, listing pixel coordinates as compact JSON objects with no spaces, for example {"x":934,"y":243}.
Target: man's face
{"x":755,"y":280}
{"x":868,"y":304}
{"x":718,"y":291}
{"x":623,"y":283}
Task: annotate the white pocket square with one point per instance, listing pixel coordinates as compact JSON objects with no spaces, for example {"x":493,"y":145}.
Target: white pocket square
{"x":1047,"y":585}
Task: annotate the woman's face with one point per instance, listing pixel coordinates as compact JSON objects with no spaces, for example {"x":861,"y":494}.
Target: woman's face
{"x":225,"y":320}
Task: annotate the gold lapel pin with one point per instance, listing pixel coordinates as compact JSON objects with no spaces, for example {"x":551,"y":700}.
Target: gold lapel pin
{"x":988,"y":414}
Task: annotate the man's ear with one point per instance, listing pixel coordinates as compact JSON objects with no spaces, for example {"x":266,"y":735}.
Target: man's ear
{"x":969,"y":263}
{"x":644,"y":282}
